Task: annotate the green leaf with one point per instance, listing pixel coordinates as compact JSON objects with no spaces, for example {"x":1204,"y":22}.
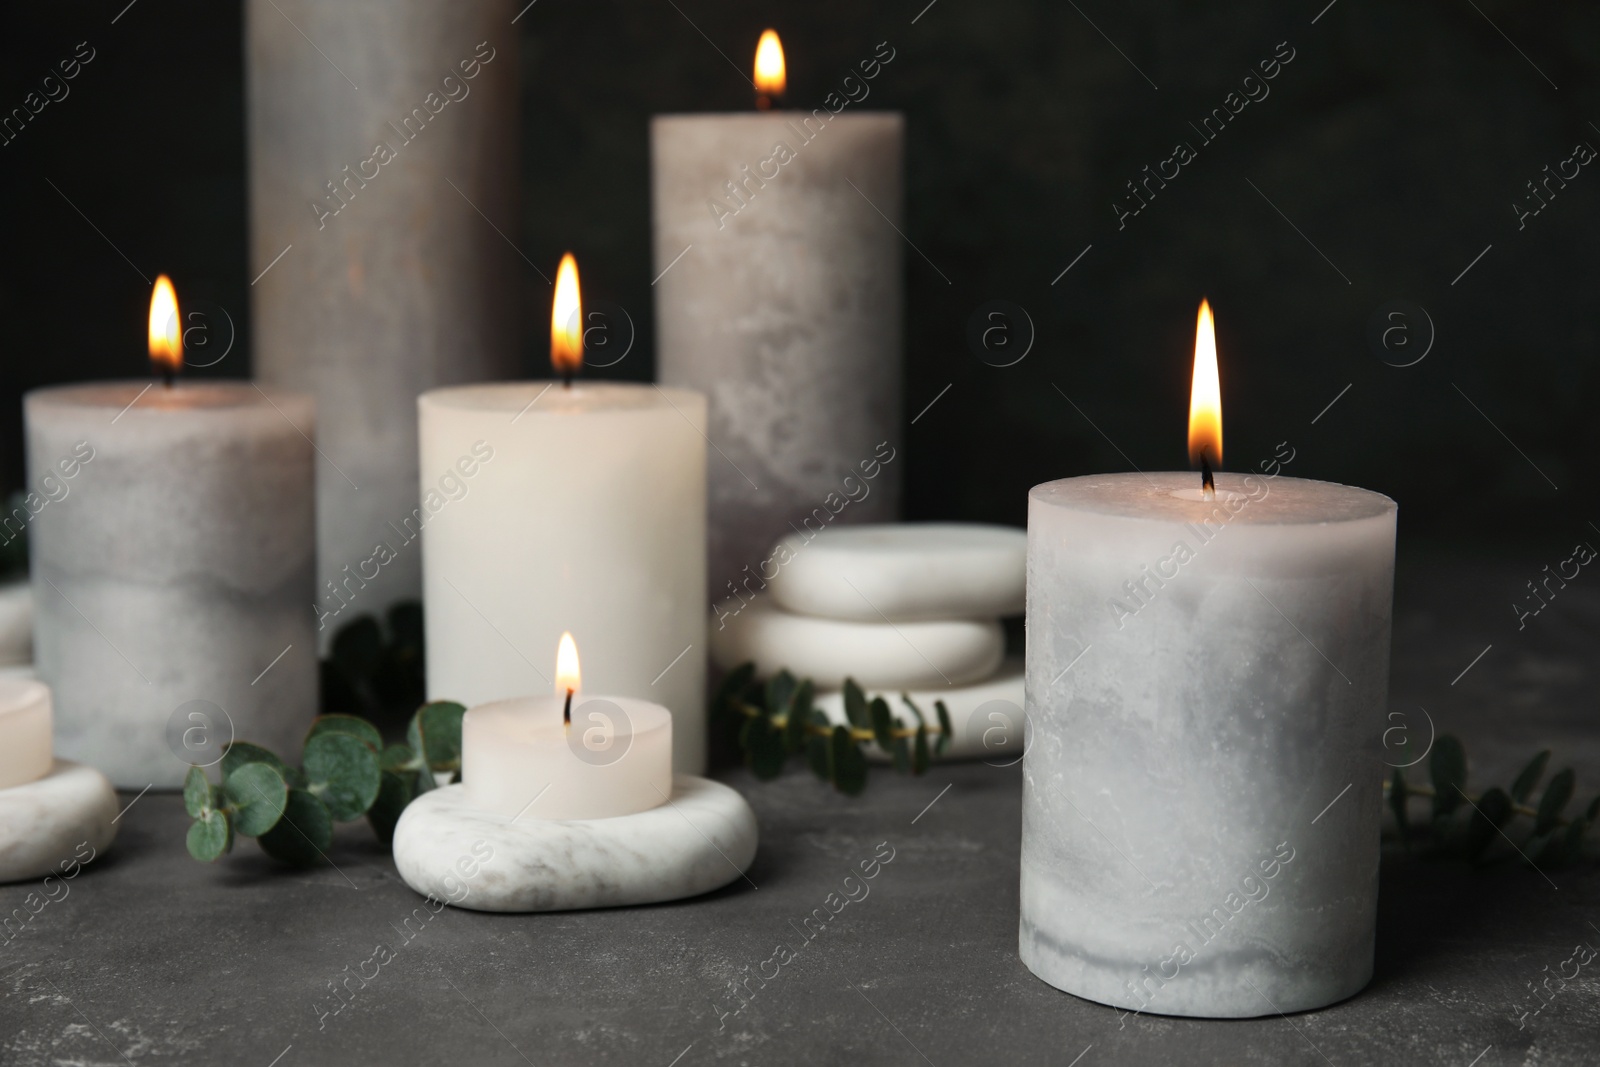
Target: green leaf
{"x":435,"y":732}
{"x":780,"y":691}
{"x":356,"y":727}
{"x":399,"y":758}
{"x":1491,"y":812}
{"x":848,"y":765}
{"x":882,"y":724}
{"x":304,"y":834}
{"x":394,"y":793}
{"x":196,"y":793}
{"x":912,"y":704}
{"x":919,"y":751}
{"x":855,"y":705}
{"x":344,"y":773}
{"x":1397,"y":804}
{"x":901,"y":751}
{"x":210,"y":836}
{"x":1556,"y":795}
{"x":764,"y":751}
{"x":947,"y":732}
{"x":817,"y":756}
{"x":358,"y":647}
{"x":1522,"y":788}
{"x":1448,"y":768}
{"x":258,"y":793}
{"x":734,"y":683}
{"x":794,"y":733}
{"x":239,"y":753}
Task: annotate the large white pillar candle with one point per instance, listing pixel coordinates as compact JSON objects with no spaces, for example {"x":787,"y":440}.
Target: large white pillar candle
{"x":383,"y":145}
{"x":172,"y":562}
{"x":25,"y":745}
{"x":553,"y":508}
{"x":1205,"y":689}
{"x":779,"y":297}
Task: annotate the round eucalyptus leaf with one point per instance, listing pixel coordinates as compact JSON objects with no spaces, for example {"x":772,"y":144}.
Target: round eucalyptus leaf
{"x":394,"y":793}
{"x":259,"y":793}
{"x":356,"y":727}
{"x":196,"y":793}
{"x":343,"y":772}
{"x":399,"y":758}
{"x":435,"y":732}
{"x":304,"y":834}
{"x":241,"y":752}
{"x":210,"y":836}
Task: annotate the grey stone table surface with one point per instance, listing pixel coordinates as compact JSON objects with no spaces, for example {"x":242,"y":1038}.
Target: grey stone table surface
{"x":151,"y":958}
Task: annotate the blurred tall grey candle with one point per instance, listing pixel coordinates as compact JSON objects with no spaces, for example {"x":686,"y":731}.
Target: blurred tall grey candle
{"x":779,"y":296}
{"x":172,"y":563}
{"x":383,"y":161}
{"x":1203,"y":786}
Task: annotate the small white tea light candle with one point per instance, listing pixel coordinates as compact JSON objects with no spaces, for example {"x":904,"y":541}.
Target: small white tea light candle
{"x":25,"y":754}
{"x":49,"y":808}
{"x":570,"y":802}
{"x":567,"y":756}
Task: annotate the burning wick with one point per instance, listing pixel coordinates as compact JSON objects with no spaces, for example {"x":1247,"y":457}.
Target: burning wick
{"x":1208,"y":485}
{"x":166,"y":339}
{"x":566,"y":712}
{"x":771,"y":74}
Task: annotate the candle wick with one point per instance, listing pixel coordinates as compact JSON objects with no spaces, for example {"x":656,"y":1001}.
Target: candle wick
{"x":763,"y":102}
{"x":166,"y":376}
{"x":1208,"y":484}
{"x":566,"y":713}
{"x":566,"y":380}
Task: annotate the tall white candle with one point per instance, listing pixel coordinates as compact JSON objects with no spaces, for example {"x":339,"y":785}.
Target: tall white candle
{"x":585,"y":512}
{"x":780,"y":297}
{"x":176,"y":567}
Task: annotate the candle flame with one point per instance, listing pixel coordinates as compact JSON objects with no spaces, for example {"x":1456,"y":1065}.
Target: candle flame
{"x":566,"y":320}
{"x":166,"y":339}
{"x":1205,"y":395}
{"x":567,"y":674}
{"x":771,"y":74}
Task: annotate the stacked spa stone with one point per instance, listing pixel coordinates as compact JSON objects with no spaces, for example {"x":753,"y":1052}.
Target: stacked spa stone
{"x":909,"y":608}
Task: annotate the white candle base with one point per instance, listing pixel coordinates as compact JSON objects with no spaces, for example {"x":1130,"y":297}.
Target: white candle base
{"x":703,"y":838}
{"x":43,"y":823}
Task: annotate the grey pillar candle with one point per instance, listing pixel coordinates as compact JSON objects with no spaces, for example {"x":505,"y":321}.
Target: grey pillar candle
{"x":172,"y":559}
{"x":1202,"y":787}
{"x":779,"y":296}
{"x":383,"y":161}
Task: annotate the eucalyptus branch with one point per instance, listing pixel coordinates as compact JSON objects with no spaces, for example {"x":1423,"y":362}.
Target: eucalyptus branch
{"x":771,"y":721}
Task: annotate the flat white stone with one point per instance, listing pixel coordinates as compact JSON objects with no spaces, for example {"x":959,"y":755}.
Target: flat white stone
{"x":906,"y":655}
{"x":43,"y":823}
{"x":903,"y":571}
{"x":986,"y":716}
{"x":16,"y":623}
{"x":704,"y":837}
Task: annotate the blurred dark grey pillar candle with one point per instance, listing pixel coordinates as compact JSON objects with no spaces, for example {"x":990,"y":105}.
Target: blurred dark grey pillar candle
{"x":779,"y":296}
{"x":383,"y":158}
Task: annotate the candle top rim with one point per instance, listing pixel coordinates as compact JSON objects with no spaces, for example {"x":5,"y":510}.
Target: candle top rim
{"x":20,"y":694}
{"x":150,"y":395}
{"x":877,"y":114}
{"x":1247,"y":499}
{"x":547,"y":397}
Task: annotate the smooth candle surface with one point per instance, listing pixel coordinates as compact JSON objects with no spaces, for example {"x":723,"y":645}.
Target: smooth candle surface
{"x":25,"y":743}
{"x":581,"y":510}
{"x":173,"y":565}
{"x":377,"y":257}
{"x":1202,"y":793}
{"x":520,"y":760}
{"x":779,"y":296}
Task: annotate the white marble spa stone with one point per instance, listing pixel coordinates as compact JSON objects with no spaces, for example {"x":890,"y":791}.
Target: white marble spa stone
{"x":906,"y":655}
{"x":16,"y":622}
{"x":44,"y":823}
{"x":702,"y":838}
{"x":986,"y":716}
{"x":902,"y":571}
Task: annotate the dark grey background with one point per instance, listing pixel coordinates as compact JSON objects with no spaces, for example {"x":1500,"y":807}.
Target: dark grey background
{"x":1396,"y":142}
